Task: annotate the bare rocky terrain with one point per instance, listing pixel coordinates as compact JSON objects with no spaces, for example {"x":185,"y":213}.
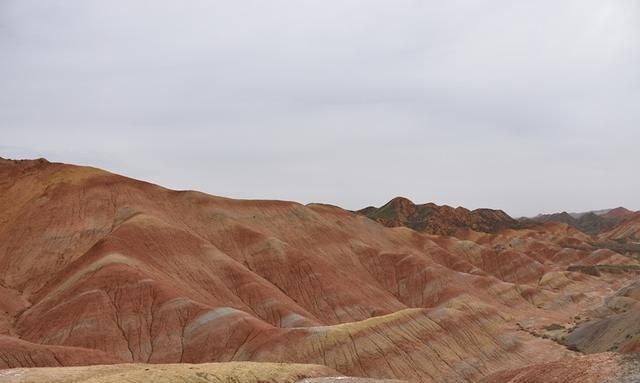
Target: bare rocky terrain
{"x":145,"y":283}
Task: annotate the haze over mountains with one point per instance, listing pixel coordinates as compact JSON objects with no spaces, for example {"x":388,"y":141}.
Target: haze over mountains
{"x":99,"y":268}
{"x":592,"y":222}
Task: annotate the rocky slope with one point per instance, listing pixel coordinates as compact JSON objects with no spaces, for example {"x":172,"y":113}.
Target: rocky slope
{"x":99,"y":268}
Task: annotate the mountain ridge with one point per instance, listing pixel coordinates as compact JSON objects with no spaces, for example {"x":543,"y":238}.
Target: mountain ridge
{"x":438,"y":219}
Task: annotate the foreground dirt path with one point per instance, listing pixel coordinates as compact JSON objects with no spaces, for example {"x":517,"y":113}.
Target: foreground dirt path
{"x":245,"y":372}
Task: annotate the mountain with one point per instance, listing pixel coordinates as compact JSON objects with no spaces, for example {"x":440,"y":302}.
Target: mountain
{"x":564,"y":217}
{"x":619,"y":212}
{"x":97,"y":268}
{"x":434,"y":219}
{"x":627,"y":230}
{"x":592,"y":222}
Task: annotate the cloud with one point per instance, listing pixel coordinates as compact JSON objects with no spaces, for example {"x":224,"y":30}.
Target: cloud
{"x":526,"y":106}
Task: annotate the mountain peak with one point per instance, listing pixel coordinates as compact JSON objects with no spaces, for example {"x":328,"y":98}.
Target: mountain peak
{"x":400,"y":201}
{"x":619,"y":212}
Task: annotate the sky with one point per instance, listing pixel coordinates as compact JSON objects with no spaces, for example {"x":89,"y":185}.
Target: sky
{"x":527,"y":106}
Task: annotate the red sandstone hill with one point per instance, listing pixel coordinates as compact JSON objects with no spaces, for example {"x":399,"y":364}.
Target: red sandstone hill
{"x":98,"y":268}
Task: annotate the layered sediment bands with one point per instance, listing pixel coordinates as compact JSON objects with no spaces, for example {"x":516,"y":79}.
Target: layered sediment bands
{"x":414,"y":344}
{"x":99,"y":268}
{"x":627,"y":231}
{"x":15,"y":352}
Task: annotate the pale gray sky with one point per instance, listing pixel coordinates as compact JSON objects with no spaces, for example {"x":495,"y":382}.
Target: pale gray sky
{"x":528,"y":106}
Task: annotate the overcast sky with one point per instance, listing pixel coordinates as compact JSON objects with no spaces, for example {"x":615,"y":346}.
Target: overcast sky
{"x":528,"y":106}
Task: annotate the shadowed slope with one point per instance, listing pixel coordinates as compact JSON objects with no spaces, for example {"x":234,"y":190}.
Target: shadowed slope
{"x":614,"y":326}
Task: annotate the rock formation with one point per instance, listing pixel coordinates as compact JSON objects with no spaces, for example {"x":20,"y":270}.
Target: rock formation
{"x":98,"y":268}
